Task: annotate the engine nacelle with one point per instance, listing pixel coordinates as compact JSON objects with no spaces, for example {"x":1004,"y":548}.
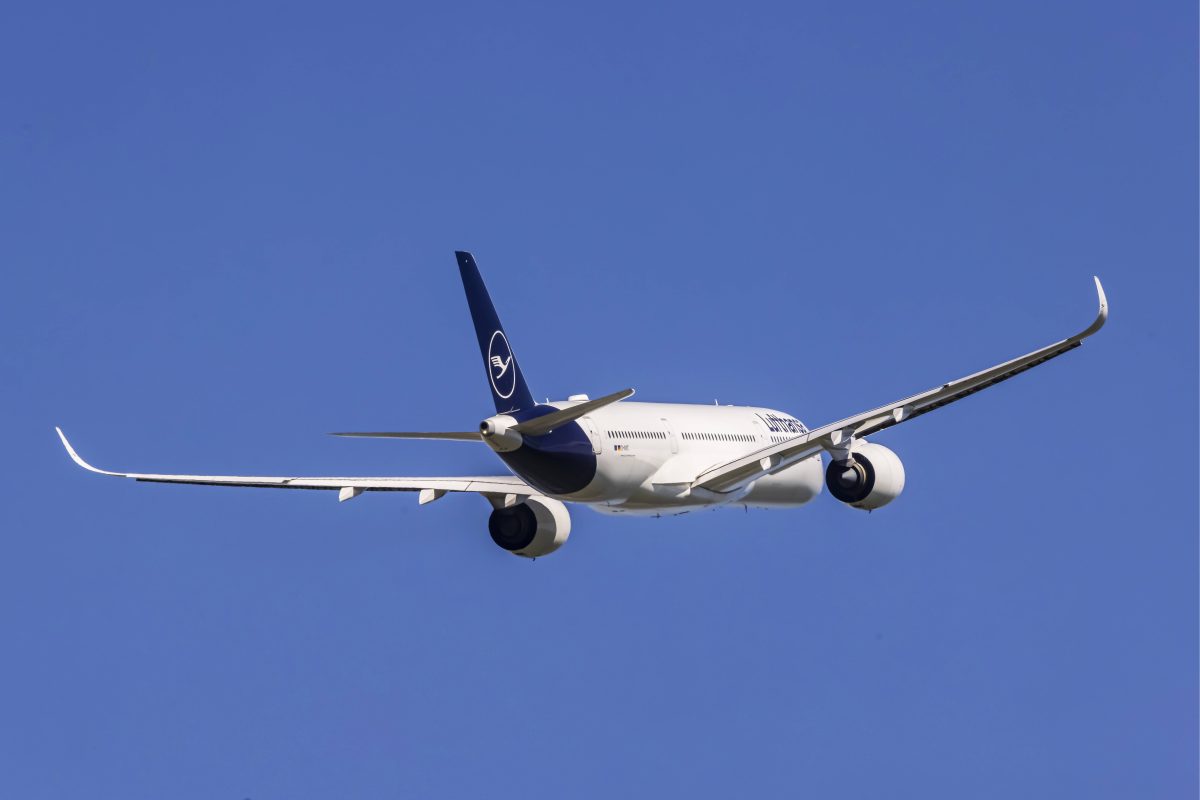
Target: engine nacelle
{"x":874,"y":479}
{"x":535,"y":527}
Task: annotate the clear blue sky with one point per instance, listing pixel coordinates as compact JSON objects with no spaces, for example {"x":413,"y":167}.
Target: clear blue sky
{"x":225,"y":231}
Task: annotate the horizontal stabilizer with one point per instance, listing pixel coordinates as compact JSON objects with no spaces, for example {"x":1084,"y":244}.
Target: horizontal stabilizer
{"x":454,"y":436}
{"x":556,"y":419}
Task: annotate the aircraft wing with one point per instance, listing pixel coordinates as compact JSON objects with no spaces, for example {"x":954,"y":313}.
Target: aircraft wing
{"x":492,"y":486}
{"x":728,"y":476}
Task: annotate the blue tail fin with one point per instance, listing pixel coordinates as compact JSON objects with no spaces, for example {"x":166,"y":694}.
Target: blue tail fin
{"x":504,"y":375}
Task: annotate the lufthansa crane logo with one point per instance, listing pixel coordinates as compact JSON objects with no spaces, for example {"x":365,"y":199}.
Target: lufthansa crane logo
{"x":501,"y":369}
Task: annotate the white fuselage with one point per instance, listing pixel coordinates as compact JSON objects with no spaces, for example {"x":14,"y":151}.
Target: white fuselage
{"x":647,"y":455}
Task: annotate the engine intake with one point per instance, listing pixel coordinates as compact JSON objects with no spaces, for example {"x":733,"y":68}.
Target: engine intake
{"x":533,"y":528}
{"x":874,"y":478}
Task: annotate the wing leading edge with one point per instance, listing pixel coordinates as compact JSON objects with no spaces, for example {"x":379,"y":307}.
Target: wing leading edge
{"x":493,"y":486}
{"x":728,"y":476}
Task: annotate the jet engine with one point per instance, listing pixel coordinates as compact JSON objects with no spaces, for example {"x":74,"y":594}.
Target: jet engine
{"x":874,"y":478}
{"x":535,"y":527}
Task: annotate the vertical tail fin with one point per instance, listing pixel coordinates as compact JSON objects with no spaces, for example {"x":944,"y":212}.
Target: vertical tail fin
{"x":509,"y":390}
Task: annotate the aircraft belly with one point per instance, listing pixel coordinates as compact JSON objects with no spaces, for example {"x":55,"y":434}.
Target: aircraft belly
{"x":790,"y":487}
{"x":618,"y":476}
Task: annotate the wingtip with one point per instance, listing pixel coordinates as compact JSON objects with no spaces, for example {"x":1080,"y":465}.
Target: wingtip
{"x":75,"y":456}
{"x":1101,"y":314}
{"x":70,"y":450}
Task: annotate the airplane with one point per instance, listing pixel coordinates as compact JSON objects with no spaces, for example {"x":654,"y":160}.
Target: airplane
{"x":644,"y":458}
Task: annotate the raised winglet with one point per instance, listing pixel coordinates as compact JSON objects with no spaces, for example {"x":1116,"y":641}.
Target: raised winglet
{"x":1101,"y":315}
{"x":76,"y":458}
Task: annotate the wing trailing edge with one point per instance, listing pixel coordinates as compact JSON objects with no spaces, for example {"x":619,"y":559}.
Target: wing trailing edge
{"x":491,"y":486}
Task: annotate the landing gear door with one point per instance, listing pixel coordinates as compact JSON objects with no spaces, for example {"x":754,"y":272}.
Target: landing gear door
{"x":593,"y":434}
